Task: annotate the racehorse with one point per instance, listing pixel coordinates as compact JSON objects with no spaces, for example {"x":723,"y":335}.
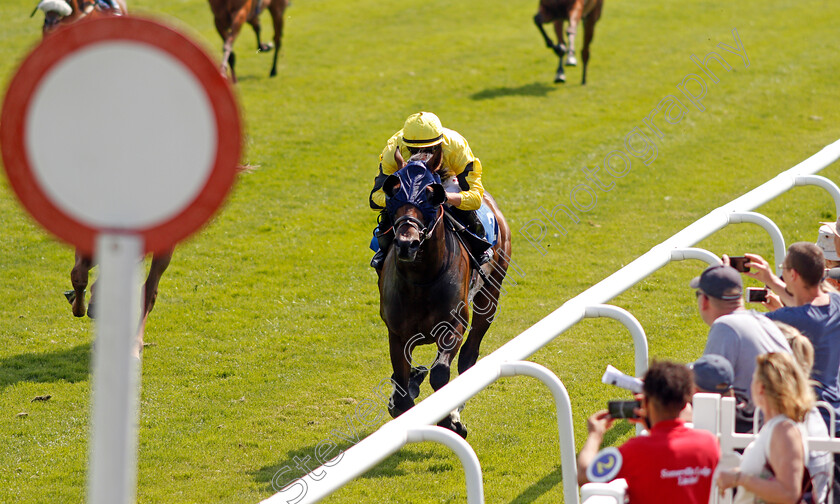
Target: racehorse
{"x":229,"y":16}
{"x":557,"y":11}
{"x":424,"y":284}
{"x":56,"y":13}
{"x":59,"y":12}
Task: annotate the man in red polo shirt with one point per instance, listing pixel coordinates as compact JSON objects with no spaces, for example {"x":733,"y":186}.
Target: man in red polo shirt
{"x":674,"y":463}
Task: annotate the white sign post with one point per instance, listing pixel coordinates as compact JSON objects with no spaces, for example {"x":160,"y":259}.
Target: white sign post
{"x":120,"y":136}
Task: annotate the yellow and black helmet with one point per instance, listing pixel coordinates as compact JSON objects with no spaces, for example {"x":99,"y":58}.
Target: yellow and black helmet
{"x":422,"y":129}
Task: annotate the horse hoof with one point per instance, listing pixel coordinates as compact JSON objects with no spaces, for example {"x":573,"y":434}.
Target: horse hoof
{"x":90,"y":312}
{"x":70,"y":295}
{"x":571,"y":61}
{"x":416,"y":378}
{"x":459,"y":429}
{"x":265,"y":48}
{"x":560,"y":79}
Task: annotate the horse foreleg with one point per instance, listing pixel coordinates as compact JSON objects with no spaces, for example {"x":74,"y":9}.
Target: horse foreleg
{"x":540,"y":19}
{"x":560,"y":76}
{"x":401,"y":401}
{"x":575,"y":15}
{"x":228,"y":58}
{"x":588,"y":35}
{"x":277,"y":9}
{"x":448,"y":346}
{"x":79,"y":279}
{"x":254,"y":21}
{"x":159,"y":264}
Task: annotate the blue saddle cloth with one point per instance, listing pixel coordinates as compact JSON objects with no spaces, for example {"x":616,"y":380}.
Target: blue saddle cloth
{"x":485,"y":215}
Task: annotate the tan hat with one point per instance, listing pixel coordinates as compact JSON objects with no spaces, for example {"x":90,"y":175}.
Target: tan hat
{"x":422,"y":129}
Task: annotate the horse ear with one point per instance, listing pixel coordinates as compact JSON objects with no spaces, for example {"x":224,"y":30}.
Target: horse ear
{"x":435,"y":193}
{"x":392,"y":183}
{"x":434,"y":163}
{"x":399,"y":159}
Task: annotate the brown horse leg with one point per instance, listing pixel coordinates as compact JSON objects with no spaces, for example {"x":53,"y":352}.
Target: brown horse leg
{"x":399,"y":403}
{"x":560,"y":76}
{"x":79,"y":279}
{"x":448,"y":346}
{"x":575,"y":14}
{"x":228,"y":58}
{"x":588,"y":35}
{"x":277,"y":9}
{"x":254,"y":21}
{"x":159,"y":264}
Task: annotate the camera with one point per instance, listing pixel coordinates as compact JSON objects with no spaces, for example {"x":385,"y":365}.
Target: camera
{"x":756,"y":295}
{"x":623,"y":409}
{"x":739,"y":263}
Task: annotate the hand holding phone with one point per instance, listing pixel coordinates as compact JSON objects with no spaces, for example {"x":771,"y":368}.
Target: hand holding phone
{"x":756,"y":295}
{"x":739,"y":263}
{"x":623,"y":409}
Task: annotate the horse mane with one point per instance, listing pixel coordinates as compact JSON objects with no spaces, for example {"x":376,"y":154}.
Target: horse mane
{"x":423,"y":156}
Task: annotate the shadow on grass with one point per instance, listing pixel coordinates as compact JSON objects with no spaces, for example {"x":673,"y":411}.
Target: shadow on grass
{"x":71,"y":365}
{"x":534,"y":89}
{"x":276,"y":476}
{"x":550,"y":480}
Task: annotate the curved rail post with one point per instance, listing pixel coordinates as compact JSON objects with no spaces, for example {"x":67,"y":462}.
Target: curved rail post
{"x":681,"y":254}
{"x":564,"y":420}
{"x":828,"y":185}
{"x":472,"y":468}
{"x":636,"y":331}
{"x":779,"y":250}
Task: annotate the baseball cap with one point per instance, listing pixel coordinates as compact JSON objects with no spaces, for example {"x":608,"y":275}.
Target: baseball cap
{"x":719,"y":282}
{"x":825,"y":240}
{"x":713,"y":373}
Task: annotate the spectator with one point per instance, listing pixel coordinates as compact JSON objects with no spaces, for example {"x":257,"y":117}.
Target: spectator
{"x":814,"y":312}
{"x":818,"y":461}
{"x":825,"y":241}
{"x":713,"y":374}
{"x":773,"y":466}
{"x":737,"y":334}
{"x":674,"y":463}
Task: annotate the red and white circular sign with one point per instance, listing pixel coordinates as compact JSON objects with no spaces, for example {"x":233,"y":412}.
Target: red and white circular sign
{"x":120,"y":124}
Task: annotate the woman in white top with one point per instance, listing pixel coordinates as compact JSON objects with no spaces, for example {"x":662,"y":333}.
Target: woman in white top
{"x":773,"y":465}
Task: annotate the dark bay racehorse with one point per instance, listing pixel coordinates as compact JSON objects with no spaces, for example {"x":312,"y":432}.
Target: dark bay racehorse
{"x":424,"y":284}
{"x":55,"y":14}
{"x":558,"y":11}
{"x":230,"y":15}
{"x":59,"y":12}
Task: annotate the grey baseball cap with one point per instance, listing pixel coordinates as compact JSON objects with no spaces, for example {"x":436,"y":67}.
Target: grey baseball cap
{"x":719,"y":281}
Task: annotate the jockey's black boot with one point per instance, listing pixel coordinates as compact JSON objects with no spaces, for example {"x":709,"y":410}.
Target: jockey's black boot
{"x":474,"y":223}
{"x":385,"y":236}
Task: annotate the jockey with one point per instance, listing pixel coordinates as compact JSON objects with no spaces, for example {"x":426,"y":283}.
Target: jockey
{"x":460,"y":172}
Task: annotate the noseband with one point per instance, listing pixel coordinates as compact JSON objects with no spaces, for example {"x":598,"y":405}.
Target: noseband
{"x":425,"y":232}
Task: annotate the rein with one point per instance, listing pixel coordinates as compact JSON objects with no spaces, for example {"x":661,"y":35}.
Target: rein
{"x":425,"y":232}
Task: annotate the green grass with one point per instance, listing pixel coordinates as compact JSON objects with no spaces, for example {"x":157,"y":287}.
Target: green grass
{"x":266,"y":333}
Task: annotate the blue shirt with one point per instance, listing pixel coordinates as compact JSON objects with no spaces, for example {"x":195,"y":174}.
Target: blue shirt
{"x":821,"y":325}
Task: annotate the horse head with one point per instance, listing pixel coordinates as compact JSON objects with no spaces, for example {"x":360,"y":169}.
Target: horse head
{"x":415,"y":196}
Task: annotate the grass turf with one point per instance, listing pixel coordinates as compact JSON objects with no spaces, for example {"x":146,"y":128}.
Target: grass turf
{"x":266,"y":335}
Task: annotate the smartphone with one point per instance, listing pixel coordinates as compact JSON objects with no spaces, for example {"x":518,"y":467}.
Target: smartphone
{"x":739,"y":263}
{"x":622,"y":409}
{"x":756,"y":294}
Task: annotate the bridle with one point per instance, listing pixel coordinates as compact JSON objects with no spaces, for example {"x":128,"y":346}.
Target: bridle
{"x":424,"y":231}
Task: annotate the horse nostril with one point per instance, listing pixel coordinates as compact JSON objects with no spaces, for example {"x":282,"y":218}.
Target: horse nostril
{"x":415,"y":244}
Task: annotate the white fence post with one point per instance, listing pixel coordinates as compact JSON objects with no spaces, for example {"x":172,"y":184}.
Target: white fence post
{"x":565,"y":427}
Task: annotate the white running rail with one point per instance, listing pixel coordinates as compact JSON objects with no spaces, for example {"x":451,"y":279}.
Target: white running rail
{"x":392,"y":436}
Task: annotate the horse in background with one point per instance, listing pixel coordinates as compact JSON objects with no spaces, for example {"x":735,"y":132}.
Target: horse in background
{"x":558,"y":11}
{"x":57,"y":13}
{"x":230,"y":15}
{"x":60,"y":12}
{"x":425,"y":284}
